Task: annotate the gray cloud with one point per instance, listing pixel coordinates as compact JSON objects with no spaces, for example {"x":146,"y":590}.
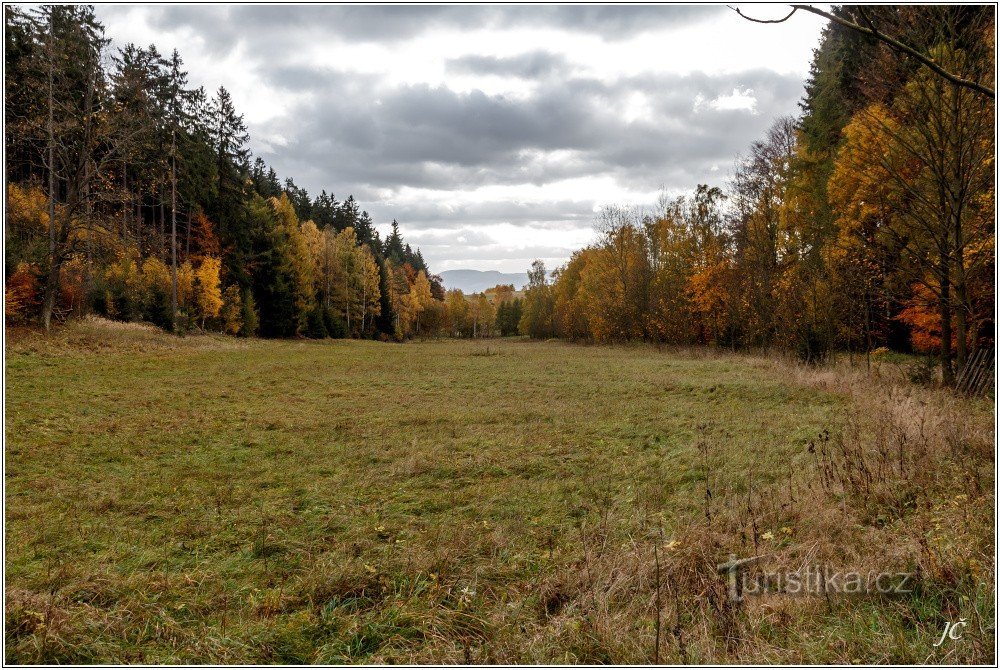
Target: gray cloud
{"x":221,"y":26}
{"x":553,"y":215}
{"x":530,"y":65}
{"x":432,"y":137}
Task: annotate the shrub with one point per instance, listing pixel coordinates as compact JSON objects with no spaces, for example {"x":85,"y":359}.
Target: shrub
{"x":250,"y":317}
{"x":923,"y":372}
{"x":315,"y":324}
{"x":72,"y":285}
{"x":158,"y":311}
{"x":22,"y":294}
{"x":811,"y":346}
{"x":126,"y":299}
{"x":335,"y":326}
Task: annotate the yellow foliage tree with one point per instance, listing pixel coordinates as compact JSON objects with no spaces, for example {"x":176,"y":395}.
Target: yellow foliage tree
{"x":483,"y":315}
{"x":208,"y":289}
{"x":299,"y":256}
{"x":185,"y":285}
{"x":368,"y":281}
{"x":421,"y":300}
{"x":400,"y":298}
{"x":27,"y":210}
{"x":613,"y":284}
{"x":569,"y":310}
{"x":457,"y":315}
{"x":231,"y":313}
{"x":155,"y":276}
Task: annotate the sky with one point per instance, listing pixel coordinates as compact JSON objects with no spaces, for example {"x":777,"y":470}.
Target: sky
{"x":493,"y":134}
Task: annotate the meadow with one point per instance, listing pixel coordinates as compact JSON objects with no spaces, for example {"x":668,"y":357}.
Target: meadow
{"x":219,"y":500}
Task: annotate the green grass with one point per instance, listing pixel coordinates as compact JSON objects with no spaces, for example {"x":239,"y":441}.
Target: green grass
{"x":214,"y":500}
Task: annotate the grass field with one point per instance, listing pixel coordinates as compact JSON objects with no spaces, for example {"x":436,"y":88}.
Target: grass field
{"x":219,"y":500}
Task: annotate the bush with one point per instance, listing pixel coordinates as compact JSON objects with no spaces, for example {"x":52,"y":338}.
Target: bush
{"x":315,"y":324}
{"x":250,"y":317}
{"x":731,"y":337}
{"x":126,"y":290}
{"x":812,"y":348}
{"x":22,"y":294}
{"x":335,"y":326}
{"x":158,"y":310}
{"x":100,"y":300}
{"x":923,"y":372}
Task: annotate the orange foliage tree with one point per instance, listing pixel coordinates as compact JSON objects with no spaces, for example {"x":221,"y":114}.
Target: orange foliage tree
{"x":21,"y":296}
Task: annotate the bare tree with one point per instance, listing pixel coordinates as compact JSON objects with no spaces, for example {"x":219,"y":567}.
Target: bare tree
{"x":82,"y":139}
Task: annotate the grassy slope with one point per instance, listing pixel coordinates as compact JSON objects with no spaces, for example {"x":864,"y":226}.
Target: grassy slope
{"x":226,"y":501}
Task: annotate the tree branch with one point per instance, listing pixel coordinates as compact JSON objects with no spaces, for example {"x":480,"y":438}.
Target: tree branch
{"x":750,"y":18}
{"x":874,"y":32}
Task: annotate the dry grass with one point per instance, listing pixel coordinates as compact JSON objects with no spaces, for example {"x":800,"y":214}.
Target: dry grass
{"x":96,"y":335}
{"x":214,"y":500}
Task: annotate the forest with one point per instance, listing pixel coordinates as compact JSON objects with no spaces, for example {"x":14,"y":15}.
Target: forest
{"x":133,"y":196}
{"x":864,"y":223}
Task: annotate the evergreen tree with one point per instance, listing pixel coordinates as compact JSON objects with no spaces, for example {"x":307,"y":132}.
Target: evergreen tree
{"x":228,"y":137}
{"x":365,"y":229}
{"x":386,"y":320}
{"x":394,"y":245}
{"x":324,"y":210}
{"x":347,"y":214}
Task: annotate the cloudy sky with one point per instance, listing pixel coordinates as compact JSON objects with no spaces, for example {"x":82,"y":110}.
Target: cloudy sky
{"x":492,"y":134}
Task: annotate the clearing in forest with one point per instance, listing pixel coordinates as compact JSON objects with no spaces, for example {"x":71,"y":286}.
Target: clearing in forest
{"x":245,"y":501}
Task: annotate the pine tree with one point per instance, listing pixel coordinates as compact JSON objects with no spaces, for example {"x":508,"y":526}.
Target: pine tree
{"x":228,"y":137}
{"x":394,"y":245}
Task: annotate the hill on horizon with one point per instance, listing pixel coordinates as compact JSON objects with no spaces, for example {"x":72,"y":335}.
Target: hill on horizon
{"x":477,"y":281}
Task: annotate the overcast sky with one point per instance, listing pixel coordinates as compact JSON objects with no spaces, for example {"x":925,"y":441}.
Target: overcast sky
{"x":492,"y":134}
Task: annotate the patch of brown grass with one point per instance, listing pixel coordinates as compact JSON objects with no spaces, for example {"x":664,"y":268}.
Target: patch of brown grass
{"x":95,"y":335}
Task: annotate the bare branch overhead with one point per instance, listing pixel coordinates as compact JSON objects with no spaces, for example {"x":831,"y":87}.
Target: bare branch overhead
{"x":872,"y":31}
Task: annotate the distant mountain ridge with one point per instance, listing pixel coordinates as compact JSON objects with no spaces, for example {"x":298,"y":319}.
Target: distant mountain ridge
{"x":477,"y":281}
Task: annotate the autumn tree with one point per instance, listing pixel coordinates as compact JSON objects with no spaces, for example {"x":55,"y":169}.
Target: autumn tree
{"x":231,"y":313}
{"x":207,"y":289}
{"x":537,"y":315}
{"x":614,"y":282}
{"x":458,"y":312}
{"x":482,"y":313}
{"x":570,"y":313}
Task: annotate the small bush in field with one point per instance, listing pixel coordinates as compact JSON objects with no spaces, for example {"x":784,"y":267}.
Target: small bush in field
{"x":923,"y":372}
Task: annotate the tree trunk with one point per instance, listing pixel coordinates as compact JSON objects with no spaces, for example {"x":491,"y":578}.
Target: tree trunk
{"x":947,"y":373}
{"x":961,"y":294}
{"x":88,"y":276}
{"x":163,"y":228}
{"x":173,"y":227}
{"x":53,"y":277}
{"x":961,"y":327}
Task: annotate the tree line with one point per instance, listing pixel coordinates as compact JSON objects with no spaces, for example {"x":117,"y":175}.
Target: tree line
{"x":133,"y":195}
{"x":866,"y":222}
